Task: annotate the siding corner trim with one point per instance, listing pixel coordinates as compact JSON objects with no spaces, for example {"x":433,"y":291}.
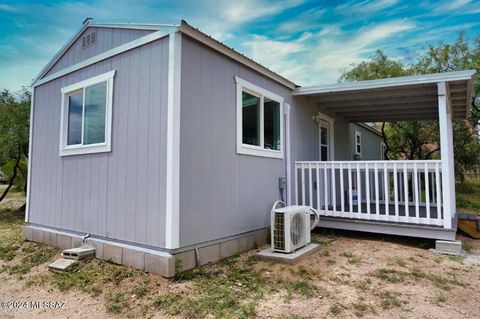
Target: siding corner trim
{"x":172,"y":218}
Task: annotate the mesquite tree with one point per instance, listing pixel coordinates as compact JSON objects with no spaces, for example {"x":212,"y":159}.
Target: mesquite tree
{"x":420,"y":139}
{"x":14,"y":126}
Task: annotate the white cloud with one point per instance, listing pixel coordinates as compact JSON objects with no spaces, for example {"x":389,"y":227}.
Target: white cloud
{"x":452,"y":5}
{"x":8,"y":8}
{"x":307,"y":20}
{"x":365,"y":7}
{"x":247,"y":10}
{"x":318,"y":57}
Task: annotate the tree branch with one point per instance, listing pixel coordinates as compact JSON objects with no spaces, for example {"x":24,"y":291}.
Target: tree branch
{"x":12,"y":179}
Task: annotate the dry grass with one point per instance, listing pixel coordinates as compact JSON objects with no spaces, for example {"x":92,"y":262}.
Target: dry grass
{"x":354,"y":275}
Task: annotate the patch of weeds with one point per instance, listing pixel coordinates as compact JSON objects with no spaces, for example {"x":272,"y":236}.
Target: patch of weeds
{"x":330,"y":261}
{"x":444,"y":283}
{"x":139,"y":290}
{"x":19,"y":269}
{"x":228,"y":289}
{"x":251,"y":260}
{"x":401,"y":262}
{"x":300,"y":287}
{"x":352,"y":259}
{"x":347,"y":254}
{"x":417,"y":273}
{"x":364,"y":284}
{"x":390,"y":275}
{"x":169,"y":303}
{"x":438,"y":259}
{"x":440,"y":299}
{"x":339,"y":280}
{"x":391,"y":300}
{"x":455,"y":258}
{"x":190,"y":274}
{"x":115,"y":303}
{"x":326,"y":253}
{"x":325,"y":242}
{"x":335,"y":309}
{"x":361,"y":308}
{"x":468,"y":247}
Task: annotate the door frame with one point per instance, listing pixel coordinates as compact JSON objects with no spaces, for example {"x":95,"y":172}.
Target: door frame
{"x":331,"y":136}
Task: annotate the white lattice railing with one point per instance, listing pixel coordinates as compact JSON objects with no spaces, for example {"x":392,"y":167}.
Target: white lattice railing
{"x":393,"y":191}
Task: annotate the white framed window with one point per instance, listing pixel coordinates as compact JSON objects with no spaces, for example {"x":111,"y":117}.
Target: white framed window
{"x":358,"y":143}
{"x":259,"y":121}
{"x":86,"y":116}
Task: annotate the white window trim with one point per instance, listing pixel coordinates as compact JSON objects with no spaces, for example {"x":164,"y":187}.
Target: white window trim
{"x":254,"y":150}
{"x":331,"y":135}
{"x":66,"y":150}
{"x":357,"y":133}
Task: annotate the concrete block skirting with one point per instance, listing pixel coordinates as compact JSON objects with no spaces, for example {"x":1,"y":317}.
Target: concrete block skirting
{"x":162,"y":263}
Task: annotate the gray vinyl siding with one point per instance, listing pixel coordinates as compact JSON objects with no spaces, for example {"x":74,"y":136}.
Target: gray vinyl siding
{"x":370,"y":143}
{"x":107,"y":38}
{"x":117,"y":195}
{"x":222,"y":193}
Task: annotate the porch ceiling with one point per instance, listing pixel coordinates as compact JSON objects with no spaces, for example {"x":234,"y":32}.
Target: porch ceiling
{"x":406,"y":98}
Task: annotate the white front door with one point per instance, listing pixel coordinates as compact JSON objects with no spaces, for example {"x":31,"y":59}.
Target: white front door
{"x":326,"y":127}
{"x":324,"y":140}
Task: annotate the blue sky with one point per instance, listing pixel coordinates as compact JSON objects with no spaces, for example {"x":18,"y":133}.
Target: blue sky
{"x":309,"y":42}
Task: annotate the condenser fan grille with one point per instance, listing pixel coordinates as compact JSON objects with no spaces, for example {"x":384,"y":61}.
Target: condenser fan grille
{"x":279,"y":231}
{"x":297,"y":228}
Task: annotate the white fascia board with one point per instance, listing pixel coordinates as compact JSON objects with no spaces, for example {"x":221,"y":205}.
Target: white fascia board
{"x":172,"y":203}
{"x":133,"y":26}
{"x":60,"y":53}
{"x":384,"y":83}
{"x":105,"y":55}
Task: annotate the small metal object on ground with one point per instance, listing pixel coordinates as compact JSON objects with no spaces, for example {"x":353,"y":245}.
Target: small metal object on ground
{"x":62,"y":264}
{"x":82,"y":252}
{"x":291,"y":258}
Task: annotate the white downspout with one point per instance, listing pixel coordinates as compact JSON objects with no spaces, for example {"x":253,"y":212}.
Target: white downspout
{"x":288,"y":168}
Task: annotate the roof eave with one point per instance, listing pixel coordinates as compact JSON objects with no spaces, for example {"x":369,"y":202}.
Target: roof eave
{"x":59,"y":54}
{"x":385,"y":83}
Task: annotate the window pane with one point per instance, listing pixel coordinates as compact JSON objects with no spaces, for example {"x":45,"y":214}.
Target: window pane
{"x":324,"y":153}
{"x":323,"y":135}
{"x":74,"y":134}
{"x":250,"y":119}
{"x":272,"y":124}
{"x":95,"y":107}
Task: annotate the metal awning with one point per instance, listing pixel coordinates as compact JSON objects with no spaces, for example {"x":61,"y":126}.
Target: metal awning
{"x":405,"y":98}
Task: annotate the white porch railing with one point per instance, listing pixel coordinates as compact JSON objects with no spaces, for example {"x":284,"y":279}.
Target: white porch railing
{"x":393,"y":191}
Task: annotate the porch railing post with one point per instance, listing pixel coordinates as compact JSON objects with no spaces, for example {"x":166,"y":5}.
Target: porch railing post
{"x":446,"y":153}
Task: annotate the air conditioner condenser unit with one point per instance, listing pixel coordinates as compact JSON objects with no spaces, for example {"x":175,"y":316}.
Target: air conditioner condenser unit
{"x":291,"y":227}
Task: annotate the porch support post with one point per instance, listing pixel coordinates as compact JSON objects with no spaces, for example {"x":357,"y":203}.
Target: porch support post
{"x":446,"y":153}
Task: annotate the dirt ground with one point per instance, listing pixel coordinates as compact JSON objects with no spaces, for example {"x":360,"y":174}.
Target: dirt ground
{"x":414,"y":283}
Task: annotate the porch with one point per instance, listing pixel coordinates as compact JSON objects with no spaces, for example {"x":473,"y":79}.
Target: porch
{"x":413,"y":198}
